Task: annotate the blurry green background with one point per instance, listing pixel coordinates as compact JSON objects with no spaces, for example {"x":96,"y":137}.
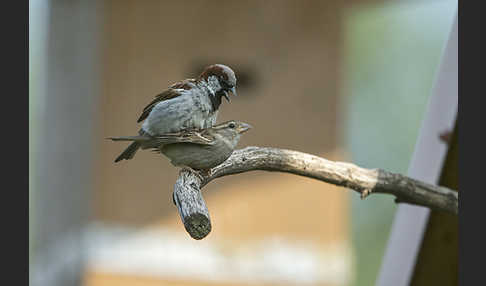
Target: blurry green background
{"x":392,"y":53}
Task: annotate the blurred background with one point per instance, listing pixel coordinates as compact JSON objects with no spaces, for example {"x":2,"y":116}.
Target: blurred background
{"x":345,"y":80}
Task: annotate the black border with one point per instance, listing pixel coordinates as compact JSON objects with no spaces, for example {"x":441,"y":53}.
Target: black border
{"x":15,"y":86}
{"x":471,"y":224}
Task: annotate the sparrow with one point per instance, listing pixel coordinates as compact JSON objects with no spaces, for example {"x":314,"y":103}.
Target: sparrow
{"x":196,"y":149}
{"x":188,"y":104}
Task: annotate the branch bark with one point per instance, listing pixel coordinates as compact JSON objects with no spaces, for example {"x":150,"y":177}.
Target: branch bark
{"x":361,"y":180}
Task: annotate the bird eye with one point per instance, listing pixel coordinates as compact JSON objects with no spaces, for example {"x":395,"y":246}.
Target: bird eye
{"x":232,"y":125}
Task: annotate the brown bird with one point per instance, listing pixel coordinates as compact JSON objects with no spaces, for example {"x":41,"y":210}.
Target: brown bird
{"x":196,"y":149}
{"x":188,"y":104}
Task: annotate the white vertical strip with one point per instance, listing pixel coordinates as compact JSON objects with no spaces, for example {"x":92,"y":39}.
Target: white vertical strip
{"x":410,"y":221}
{"x":64,"y":91}
{"x":38,"y":19}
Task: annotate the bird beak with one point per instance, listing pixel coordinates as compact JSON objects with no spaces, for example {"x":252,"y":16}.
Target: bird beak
{"x":233,"y":91}
{"x":225,"y":94}
{"x":244,"y":127}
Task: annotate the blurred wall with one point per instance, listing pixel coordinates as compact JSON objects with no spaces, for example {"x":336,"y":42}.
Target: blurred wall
{"x":63,"y":98}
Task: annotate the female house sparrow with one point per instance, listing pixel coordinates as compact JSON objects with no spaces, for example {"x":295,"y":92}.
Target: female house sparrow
{"x":199,"y":150}
{"x":189,"y":104}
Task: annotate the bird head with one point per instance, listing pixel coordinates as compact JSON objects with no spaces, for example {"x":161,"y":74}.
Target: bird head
{"x":231,"y":130}
{"x":221,"y":80}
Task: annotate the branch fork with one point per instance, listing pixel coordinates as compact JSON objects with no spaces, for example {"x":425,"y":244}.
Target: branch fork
{"x":195,"y":215}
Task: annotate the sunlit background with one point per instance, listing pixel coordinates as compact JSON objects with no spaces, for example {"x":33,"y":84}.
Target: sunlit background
{"x":345,"y":80}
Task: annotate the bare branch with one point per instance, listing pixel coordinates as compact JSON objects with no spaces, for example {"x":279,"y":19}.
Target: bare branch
{"x":191,"y":205}
{"x":364,"y":181}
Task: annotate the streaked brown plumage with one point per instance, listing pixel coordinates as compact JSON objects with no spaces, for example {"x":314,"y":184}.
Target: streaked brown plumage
{"x":167,"y":94}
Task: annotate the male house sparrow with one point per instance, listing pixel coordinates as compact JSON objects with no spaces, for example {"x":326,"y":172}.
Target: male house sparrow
{"x":188,"y":104}
{"x":197,"y":149}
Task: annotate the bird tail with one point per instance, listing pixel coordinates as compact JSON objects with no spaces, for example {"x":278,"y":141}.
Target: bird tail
{"x":129,"y":152}
{"x":130,"y":138}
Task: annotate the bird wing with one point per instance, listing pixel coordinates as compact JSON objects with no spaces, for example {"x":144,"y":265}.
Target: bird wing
{"x":195,"y":137}
{"x":131,"y":138}
{"x":173,"y":91}
{"x":190,"y":136}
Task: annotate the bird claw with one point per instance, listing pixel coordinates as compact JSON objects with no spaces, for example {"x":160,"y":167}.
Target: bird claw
{"x":191,"y":170}
{"x":206,"y":173}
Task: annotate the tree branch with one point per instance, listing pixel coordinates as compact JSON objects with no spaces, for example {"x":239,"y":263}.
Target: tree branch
{"x":363,"y":181}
